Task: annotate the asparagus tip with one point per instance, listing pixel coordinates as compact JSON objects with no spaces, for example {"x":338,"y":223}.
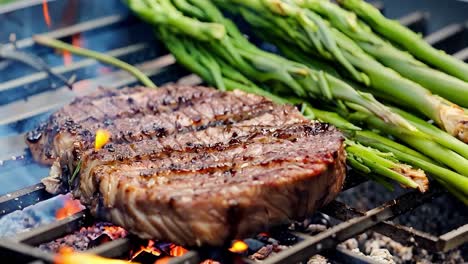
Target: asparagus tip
{"x":416,"y":175}
{"x":455,"y":121}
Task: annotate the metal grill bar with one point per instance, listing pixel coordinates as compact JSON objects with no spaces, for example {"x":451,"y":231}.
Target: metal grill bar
{"x":44,"y":102}
{"x":462,"y":54}
{"x":29,"y":79}
{"x":22,"y":253}
{"x":112,"y":249}
{"x":22,"y":198}
{"x":54,"y":230}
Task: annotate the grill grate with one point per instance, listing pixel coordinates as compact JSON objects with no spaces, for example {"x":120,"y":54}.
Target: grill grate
{"x":153,"y":60}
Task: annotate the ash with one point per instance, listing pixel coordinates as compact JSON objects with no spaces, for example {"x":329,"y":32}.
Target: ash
{"x":386,"y":250}
{"x":86,"y":237}
{"x":265,"y":245}
{"x":31,"y":216}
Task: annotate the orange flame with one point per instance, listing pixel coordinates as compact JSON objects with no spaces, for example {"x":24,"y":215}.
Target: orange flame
{"x":115,"y":231}
{"x":238,"y":246}
{"x":177,"y":251}
{"x":102,"y":137}
{"x":66,"y":255}
{"x":149,"y":249}
{"x":164,"y":260}
{"x":45,"y":12}
{"x":67,"y":56}
{"x":70,"y":207}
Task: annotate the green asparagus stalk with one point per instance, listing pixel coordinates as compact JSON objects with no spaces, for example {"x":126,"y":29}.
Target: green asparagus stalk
{"x":425,"y":145}
{"x":436,"y":81}
{"x":378,"y":163}
{"x":435,"y":133}
{"x":408,"y":39}
{"x":273,"y":14}
{"x":57,"y":44}
{"x":454,"y":182}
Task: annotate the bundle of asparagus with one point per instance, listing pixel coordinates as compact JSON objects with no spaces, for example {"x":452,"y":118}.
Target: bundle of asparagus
{"x":210,"y":45}
{"x":296,"y":23}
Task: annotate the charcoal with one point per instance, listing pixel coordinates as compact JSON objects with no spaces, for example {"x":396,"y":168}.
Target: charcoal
{"x":263,"y":253}
{"x":254,"y":244}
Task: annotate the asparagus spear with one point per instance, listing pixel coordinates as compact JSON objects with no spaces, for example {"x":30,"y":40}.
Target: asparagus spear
{"x":54,"y":43}
{"x":457,"y":184}
{"x":438,"y":82}
{"x":425,"y":145}
{"x":274,"y":13}
{"x":408,"y":39}
{"x":435,"y":134}
{"x":378,"y":163}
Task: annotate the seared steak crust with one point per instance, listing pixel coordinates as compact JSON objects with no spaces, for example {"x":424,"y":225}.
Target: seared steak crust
{"x":193,"y":165}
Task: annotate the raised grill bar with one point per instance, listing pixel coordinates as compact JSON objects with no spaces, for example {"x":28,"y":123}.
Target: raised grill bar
{"x":162,"y":68}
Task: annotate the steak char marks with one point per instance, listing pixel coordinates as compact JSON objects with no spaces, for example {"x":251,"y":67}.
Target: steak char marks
{"x":191,"y":165}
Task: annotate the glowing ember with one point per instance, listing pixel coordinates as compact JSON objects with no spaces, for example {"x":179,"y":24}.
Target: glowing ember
{"x":164,"y":260}
{"x":67,"y":56}
{"x":66,"y":255}
{"x":239,"y":247}
{"x":70,"y":207}
{"x":45,"y":12}
{"x":150,"y":248}
{"x":177,"y":251}
{"x":102,"y":137}
{"x":115,"y":231}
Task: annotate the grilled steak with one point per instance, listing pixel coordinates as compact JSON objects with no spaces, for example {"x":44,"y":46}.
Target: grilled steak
{"x":191,"y":165}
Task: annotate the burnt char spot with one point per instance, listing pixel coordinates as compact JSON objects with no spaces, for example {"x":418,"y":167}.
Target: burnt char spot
{"x":196,"y":119}
{"x":108,"y":122}
{"x":160,"y":131}
{"x":317,"y":128}
{"x":146,"y":132}
{"x":49,"y":154}
{"x":35,"y":135}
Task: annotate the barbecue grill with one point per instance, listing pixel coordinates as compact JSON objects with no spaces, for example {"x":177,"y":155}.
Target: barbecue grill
{"x":34,"y":81}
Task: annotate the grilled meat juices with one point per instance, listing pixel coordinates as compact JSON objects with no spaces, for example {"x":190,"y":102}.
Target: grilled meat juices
{"x":192,"y":165}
